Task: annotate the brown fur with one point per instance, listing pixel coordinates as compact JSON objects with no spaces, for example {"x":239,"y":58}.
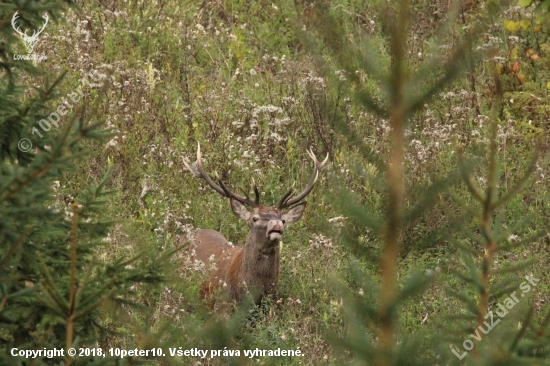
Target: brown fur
{"x":212,"y":248}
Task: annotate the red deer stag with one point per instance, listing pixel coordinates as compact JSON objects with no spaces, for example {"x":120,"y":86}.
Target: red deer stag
{"x":253,"y":267}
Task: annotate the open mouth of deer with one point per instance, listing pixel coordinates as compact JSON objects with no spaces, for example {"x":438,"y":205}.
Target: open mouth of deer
{"x":275,"y":234}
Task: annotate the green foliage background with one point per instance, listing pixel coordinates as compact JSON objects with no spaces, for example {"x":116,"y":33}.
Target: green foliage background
{"x":258,"y":83}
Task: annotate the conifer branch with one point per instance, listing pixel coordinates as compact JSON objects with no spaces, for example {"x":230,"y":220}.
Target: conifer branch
{"x":491,"y":245}
{"x":15,"y":246}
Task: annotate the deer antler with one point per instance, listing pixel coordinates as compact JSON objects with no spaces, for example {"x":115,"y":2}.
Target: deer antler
{"x":15,"y":27}
{"x":198,"y":171}
{"x":37,"y":33}
{"x":286,"y":200}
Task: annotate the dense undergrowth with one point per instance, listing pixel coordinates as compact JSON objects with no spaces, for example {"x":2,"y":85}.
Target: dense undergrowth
{"x":250,"y":81}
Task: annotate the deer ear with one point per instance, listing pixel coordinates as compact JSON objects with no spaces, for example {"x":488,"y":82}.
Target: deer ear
{"x":295,"y":213}
{"x":239,"y":209}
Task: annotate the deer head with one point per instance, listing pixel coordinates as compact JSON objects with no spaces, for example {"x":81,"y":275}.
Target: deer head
{"x":29,"y":40}
{"x":266,"y":223}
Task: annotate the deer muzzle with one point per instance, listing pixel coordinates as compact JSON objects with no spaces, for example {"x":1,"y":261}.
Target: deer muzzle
{"x":275,"y":230}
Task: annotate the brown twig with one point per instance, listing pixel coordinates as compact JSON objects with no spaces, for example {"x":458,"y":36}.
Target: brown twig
{"x":396,"y":188}
{"x":72,"y":282}
{"x":491,"y":246}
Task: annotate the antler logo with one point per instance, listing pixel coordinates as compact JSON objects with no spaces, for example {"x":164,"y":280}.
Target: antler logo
{"x":30,"y":40}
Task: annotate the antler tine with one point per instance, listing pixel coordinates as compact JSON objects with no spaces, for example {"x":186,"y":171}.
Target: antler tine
{"x":257,"y":194}
{"x":193,"y":168}
{"x":43,"y":25}
{"x":244,"y":200}
{"x":287,"y":195}
{"x":198,"y":171}
{"x":15,"y":27}
{"x":318,"y":166}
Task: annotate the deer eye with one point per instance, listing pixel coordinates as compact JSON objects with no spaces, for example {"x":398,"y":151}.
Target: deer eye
{"x":283,"y":221}
{"x":254,"y":219}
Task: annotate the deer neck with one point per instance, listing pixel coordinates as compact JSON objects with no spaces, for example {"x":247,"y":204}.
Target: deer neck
{"x":255,"y":250}
{"x":260,"y":265}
